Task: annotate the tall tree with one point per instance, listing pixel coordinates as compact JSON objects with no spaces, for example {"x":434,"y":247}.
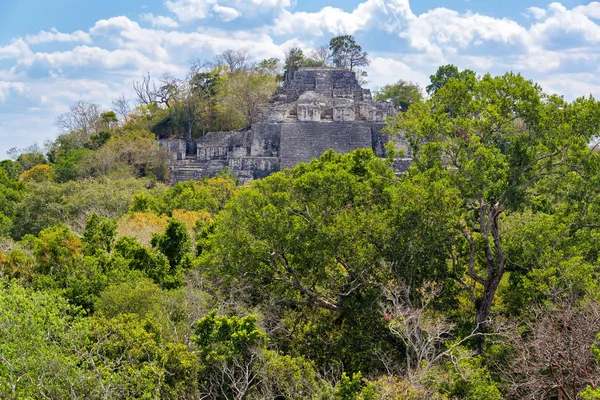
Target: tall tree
{"x":294,"y":58}
{"x":401,"y":94}
{"x":346,"y":53}
{"x":444,"y":74}
{"x":234,"y":60}
{"x":499,"y":136}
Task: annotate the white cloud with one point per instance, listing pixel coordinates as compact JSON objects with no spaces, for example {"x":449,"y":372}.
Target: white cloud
{"x":16,"y":50}
{"x":332,"y":20}
{"x":189,"y":10}
{"x":226,"y":13}
{"x":85,"y":56}
{"x":55,"y":36}
{"x":159,"y":21}
{"x":383,"y":71}
{"x":226,"y":10}
{"x":7,"y":87}
{"x":537,"y":13}
{"x":560,"y":21}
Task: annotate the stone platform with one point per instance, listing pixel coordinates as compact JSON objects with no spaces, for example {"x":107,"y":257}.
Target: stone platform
{"x":316,"y":109}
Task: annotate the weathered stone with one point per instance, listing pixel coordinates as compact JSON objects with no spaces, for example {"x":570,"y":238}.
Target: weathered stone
{"x":316,"y":109}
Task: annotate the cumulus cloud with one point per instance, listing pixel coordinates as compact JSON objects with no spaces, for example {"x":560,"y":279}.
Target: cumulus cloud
{"x":335,"y":20}
{"x":7,"y":87}
{"x":226,"y":13}
{"x":226,"y":10}
{"x":536,"y":12}
{"x":54,"y":35}
{"x":159,"y":21}
{"x":17,"y":49}
{"x":384,"y":70}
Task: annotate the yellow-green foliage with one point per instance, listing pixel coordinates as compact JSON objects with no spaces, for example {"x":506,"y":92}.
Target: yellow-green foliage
{"x":39,"y":173}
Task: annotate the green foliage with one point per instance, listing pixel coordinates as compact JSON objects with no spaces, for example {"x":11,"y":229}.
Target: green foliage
{"x":132,"y":360}
{"x":206,"y":195}
{"x":225,"y":338}
{"x":12,"y":168}
{"x":401,"y":94}
{"x":70,"y":203}
{"x":141,"y":297}
{"x":504,"y":141}
{"x":74,"y":164}
{"x":30,"y":160}
{"x":346,"y":53}
{"x":469,"y":379}
{"x":444,"y":74}
{"x":322,"y":270}
{"x":175,"y":244}
{"x":38,"y":331}
{"x":99,"y":234}
{"x":154,"y":264}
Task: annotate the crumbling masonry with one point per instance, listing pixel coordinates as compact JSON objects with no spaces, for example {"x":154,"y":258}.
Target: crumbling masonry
{"x":316,"y":109}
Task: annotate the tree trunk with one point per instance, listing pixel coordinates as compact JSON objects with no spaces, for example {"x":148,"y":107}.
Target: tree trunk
{"x":495,"y":263}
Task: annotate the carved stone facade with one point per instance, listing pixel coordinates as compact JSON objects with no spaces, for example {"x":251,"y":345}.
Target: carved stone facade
{"x":316,"y":109}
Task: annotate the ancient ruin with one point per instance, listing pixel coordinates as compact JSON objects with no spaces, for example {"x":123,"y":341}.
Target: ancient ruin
{"x":315,"y":109}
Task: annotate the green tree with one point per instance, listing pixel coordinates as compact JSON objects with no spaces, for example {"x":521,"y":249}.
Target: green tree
{"x":346,"y":53}
{"x":401,"y":94}
{"x":502,"y":137}
{"x":175,"y":243}
{"x":12,"y":168}
{"x":444,"y":74}
{"x":38,"y":331}
{"x":294,"y":58}
{"x":99,"y":234}
{"x":154,"y":264}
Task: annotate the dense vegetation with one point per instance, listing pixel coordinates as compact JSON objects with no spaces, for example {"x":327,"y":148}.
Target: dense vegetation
{"x":474,"y":275}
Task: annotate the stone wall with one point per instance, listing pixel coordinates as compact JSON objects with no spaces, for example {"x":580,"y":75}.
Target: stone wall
{"x":177,"y":147}
{"x":302,"y":142}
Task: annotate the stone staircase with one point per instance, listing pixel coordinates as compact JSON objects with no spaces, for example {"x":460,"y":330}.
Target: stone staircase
{"x":192,"y":169}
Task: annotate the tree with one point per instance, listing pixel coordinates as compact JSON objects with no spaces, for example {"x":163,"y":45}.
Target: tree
{"x":346,"y":53}
{"x":320,"y":55}
{"x":99,"y":234}
{"x":554,"y":355}
{"x":401,"y":94}
{"x":40,"y":173}
{"x":122,"y":107}
{"x":83,"y":118}
{"x":499,"y":137}
{"x":30,"y":157}
{"x":236,"y":363}
{"x":198,"y":98}
{"x":294,"y":59}
{"x":271,"y":67}
{"x":235,"y":60}
{"x":245,"y":92}
{"x":175,"y":243}
{"x":38,"y":331}
{"x":444,"y":74}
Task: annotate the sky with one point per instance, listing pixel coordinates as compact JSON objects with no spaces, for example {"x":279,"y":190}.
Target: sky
{"x":54,"y":53}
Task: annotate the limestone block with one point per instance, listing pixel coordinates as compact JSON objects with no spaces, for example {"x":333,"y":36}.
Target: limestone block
{"x":309,"y":107}
{"x":239,"y":152}
{"x":277,"y":112}
{"x":366,"y":112}
{"x":344,"y":110}
{"x":177,"y":147}
{"x":207,"y":153}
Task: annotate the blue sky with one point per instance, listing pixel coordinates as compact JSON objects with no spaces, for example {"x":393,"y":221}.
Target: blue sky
{"x":54,"y":53}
